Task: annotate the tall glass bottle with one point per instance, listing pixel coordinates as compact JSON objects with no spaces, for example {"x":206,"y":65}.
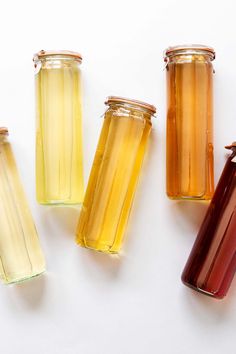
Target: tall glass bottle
{"x":189,"y":155}
{"x":114,"y":174}
{"x":212,"y":262}
{"x":20,"y":253}
{"x":59,"y":165}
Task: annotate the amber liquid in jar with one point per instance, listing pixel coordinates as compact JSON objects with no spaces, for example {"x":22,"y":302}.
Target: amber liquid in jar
{"x":189,"y":159}
{"x":212,"y":262}
{"x":113,"y":177}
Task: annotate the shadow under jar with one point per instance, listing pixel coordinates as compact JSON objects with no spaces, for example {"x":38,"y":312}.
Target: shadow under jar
{"x":189,"y":141}
{"x":21,"y":257}
{"x":212,"y":262}
{"x":114,"y":174}
{"x":59,"y":158}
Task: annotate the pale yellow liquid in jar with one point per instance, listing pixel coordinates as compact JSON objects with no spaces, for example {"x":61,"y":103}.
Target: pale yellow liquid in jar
{"x":20,"y":253}
{"x":59,"y":161}
{"x":112,"y":182}
{"x":190,"y":173}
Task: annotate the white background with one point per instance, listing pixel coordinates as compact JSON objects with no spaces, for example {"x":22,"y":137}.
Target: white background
{"x":89,"y":303}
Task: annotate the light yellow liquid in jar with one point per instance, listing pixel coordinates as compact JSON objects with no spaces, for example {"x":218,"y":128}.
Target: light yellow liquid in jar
{"x":112,"y":181}
{"x":59,"y":161}
{"x":20,"y":253}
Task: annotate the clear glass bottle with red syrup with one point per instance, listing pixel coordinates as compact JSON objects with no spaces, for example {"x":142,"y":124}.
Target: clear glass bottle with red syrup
{"x":212,"y":262}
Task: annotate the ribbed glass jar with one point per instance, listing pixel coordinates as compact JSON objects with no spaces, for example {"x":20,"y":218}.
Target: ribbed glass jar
{"x":114,"y":174}
{"x":20,"y":253}
{"x":59,"y":157}
{"x":189,"y":141}
{"x":212,"y":262}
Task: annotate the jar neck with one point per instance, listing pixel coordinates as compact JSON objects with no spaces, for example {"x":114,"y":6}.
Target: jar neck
{"x":3,"y":138}
{"x":187,"y":57}
{"x":233,"y":151}
{"x":129,"y":110}
{"x":54,"y":62}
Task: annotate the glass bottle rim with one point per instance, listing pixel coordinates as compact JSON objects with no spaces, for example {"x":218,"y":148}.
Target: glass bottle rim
{"x":53,"y":53}
{"x":190,"y":49}
{"x":130,"y":102}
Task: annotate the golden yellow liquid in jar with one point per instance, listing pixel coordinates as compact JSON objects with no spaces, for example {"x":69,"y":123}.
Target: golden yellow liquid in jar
{"x":112,"y":181}
{"x":59,"y":160}
{"x":20,"y":253}
{"x":190,"y":172}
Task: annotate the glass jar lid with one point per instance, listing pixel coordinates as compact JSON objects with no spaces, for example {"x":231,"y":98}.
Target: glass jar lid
{"x":3,"y":131}
{"x":50,"y":53}
{"x":189,"y":49}
{"x":134,"y":103}
{"x":232,"y":146}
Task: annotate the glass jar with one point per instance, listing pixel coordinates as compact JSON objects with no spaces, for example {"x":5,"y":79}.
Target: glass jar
{"x":20,"y":252}
{"x":189,"y":144}
{"x":59,"y":160}
{"x":212,"y":262}
{"x":114,"y":174}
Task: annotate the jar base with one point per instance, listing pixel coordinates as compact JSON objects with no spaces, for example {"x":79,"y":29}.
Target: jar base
{"x":190,"y":198}
{"x":97,"y":246}
{"x":214,"y":295}
{"x":59,"y":202}
{"x":23,"y":279}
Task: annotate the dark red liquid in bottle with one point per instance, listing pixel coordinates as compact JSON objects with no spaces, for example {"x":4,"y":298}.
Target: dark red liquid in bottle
{"x":212,"y":262}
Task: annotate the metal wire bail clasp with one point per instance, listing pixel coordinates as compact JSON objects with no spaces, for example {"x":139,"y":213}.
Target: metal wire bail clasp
{"x":166,"y":60}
